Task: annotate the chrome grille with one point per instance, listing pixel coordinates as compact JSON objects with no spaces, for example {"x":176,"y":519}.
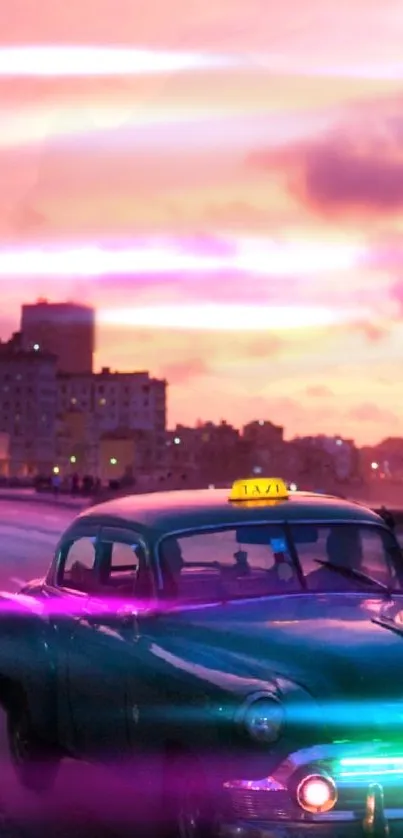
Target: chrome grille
{"x":249,"y":804}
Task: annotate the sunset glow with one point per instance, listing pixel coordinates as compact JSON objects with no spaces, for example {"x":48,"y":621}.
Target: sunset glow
{"x":225,"y":318}
{"x":59,"y":61}
{"x":226,"y":188}
{"x":250,"y":257}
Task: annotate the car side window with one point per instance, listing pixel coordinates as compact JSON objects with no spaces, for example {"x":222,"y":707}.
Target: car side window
{"x":375,"y":556}
{"x":359,"y":547}
{"x":227,"y":562}
{"x":77,"y":568}
{"x":122,"y":564}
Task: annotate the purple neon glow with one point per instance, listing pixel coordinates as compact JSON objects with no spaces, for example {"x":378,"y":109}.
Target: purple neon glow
{"x":72,"y":605}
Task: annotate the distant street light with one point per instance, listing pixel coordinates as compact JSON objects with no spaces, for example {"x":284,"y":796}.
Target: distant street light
{"x":113,"y":461}
{"x":374,"y":466}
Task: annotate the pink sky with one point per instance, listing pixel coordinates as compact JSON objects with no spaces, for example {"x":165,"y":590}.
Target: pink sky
{"x":260,"y":158}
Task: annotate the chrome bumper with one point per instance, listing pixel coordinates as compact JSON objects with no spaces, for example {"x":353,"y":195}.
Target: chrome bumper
{"x":376,"y":823}
{"x":276,"y":830}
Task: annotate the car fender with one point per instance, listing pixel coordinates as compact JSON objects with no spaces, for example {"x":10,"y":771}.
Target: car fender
{"x":27,"y":658}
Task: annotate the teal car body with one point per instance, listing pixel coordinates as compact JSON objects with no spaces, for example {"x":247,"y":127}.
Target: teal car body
{"x":277,"y":668}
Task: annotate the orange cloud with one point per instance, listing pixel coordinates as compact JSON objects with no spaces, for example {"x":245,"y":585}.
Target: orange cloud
{"x":185,"y":371}
{"x":372,"y":413}
{"x":318,"y":391}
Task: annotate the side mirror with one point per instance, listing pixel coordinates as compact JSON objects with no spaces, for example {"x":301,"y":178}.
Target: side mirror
{"x":127,"y":615}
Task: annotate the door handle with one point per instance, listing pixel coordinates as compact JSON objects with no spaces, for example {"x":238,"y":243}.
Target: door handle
{"x":90,"y":619}
{"x":126,"y":615}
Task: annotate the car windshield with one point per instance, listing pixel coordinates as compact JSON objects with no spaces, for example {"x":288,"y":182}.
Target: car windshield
{"x":261,"y":559}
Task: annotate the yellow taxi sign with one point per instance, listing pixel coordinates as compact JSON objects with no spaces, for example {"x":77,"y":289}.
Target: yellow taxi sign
{"x":259,"y":488}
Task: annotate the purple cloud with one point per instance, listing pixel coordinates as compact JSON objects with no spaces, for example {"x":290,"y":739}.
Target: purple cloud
{"x":358,"y":165}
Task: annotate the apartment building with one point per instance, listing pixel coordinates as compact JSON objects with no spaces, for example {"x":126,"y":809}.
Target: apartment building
{"x":28,"y":400}
{"x":116,"y":402}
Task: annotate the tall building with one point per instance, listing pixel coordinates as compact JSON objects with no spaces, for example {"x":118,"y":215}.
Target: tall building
{"x":66,"y":330}
{"x":28,"y":398}
{"x":267,"y":447}
{"x":114,"y":402}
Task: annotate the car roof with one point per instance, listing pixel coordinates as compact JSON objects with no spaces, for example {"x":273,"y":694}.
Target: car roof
{"x":179,"y":510}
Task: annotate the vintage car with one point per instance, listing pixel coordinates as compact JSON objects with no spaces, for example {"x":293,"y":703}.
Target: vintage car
{"x":242,"y":650}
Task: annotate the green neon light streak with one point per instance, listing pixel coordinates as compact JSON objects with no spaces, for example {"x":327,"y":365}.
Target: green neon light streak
{"x":368,"y":762}
{"x":396,"y":772}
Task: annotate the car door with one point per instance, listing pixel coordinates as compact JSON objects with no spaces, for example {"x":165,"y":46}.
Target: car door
{"x":68,"y":591}
{"x":102,"y":653}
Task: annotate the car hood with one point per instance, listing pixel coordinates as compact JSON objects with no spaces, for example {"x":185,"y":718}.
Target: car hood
{"x":328,"y":644}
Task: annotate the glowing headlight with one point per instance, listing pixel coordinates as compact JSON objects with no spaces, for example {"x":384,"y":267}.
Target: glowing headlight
{"x":263,"y":717}
{"x":317,"y":794}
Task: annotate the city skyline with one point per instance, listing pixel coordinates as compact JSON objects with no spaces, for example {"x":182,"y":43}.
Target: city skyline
{"x":76,"y":385}
{"x":265,"y":175}
{"x":276,"y":409}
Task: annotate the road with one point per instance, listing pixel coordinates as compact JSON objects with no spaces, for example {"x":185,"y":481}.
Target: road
{"x":28,"y":536}
{"x":86,"y":801}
